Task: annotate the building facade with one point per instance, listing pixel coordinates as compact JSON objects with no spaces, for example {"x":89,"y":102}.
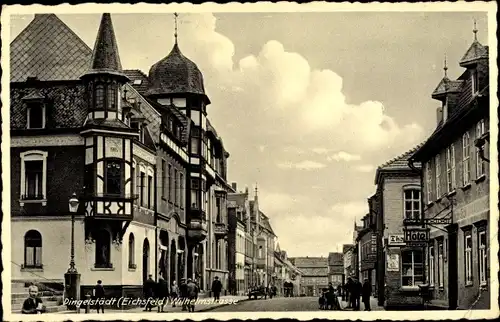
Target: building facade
{"x":456,"y":187}
{"x":138,"y":151}
{"x":349,"y":262}
{"x":367,"y":250}
{"x":314,"y":275}
{"x":399,"y":268}
{"x":335,"y":268}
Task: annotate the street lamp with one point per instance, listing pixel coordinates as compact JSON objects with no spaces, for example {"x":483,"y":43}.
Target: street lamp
{"x":72,"y":278}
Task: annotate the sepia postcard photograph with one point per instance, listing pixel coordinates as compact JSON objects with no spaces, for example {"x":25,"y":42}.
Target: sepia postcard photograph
{"x":248,"y":161}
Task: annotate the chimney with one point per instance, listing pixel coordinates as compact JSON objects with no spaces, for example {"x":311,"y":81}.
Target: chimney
{"x":234,"y":185}
{"x":439,"y":114}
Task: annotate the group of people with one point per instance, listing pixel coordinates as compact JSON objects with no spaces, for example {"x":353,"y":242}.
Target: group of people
{"x":354,"y":290}
{"x":188,"y":289}
{"x":328,"y":299}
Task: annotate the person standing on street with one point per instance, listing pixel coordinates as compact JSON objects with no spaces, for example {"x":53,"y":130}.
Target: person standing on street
{"x":349,"y":287}
{"x":192,"y":290}
{"x":99,"y":295}
{"x":149,"y":288}
{"x":174,"y":293}
{"x":183,"y":292}
{"x":366,"y":293}
{"x":357,"y":287}
{"x":161,"y":293}
{"x":216,"y":288}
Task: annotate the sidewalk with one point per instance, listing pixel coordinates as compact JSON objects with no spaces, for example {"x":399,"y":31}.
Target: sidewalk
{"x":373,"y":304}
{"x":169,"y":309}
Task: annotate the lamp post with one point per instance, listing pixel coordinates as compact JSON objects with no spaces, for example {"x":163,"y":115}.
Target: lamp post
{"x":72,"y":277}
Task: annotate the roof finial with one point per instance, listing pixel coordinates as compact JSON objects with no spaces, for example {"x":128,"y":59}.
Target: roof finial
{"x":475,"y":30}
{"x":175,"y":22}
{"x":256,"y":189}
{"x":445,"y":67}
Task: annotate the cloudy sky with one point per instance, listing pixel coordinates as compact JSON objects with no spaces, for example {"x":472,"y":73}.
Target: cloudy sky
{"x":308,"y":104}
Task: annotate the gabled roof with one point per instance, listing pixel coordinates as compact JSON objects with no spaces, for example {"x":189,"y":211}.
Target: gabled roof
{"x":49,"y":50}
{"x":399,"y":163}
{"x":139,"y":80}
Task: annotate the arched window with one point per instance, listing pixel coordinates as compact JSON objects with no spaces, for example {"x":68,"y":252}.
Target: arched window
{"x":33,"y":249}
{"x":131,"y":251}
{"x":102,"y":249}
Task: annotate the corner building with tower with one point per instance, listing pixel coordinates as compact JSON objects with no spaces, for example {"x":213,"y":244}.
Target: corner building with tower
{"x":144,"y":162}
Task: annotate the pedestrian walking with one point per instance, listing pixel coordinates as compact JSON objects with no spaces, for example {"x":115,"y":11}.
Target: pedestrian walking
{"x":356,"y":292}
{"x":149,"y":288}
{"x":349,"y":293}
{"x":366,"y":294}
{"x":183,"y":292}
{"x":174,"y":293}
{"x":192,"y":290}
{"x":99,"y":296}
{"x":216,"y":288}
{"x":161,"y":293}
{"x":33,"y":304}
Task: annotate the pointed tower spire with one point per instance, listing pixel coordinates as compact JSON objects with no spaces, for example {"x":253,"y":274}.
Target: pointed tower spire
{"x":475,"y":30}
{"x":175,"y":23}
{"x":105,"y":57}
{"x":445,"y":68}
{"x":256,"y":191}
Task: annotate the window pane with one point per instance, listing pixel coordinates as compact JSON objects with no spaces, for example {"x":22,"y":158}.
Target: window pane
{"x":36,"y":117}
{"x":408,"y":194}
{"x":406,"y":257}
{"x":113,"y":177}
{"x":408,"y":205}
{"x":417,"y":256}
{"x":482,"y":239}
{"x":99,"y":97}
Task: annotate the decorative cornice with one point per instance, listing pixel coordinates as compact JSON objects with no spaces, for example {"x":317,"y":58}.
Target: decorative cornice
{"x":144,"y":154}
{"x":56,"y":140}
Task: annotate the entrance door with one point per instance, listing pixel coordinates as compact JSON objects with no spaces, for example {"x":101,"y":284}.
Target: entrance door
{"x":145,"y":260}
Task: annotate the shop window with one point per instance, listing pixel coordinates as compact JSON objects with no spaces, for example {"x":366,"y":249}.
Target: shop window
{"x":413,"y":268}
{"x":412,"y":204}
{"x":482,"y":254}
{"x":32,"y":249}
{"x":468,"y":257}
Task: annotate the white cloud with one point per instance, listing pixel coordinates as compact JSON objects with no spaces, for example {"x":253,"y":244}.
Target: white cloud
{"x":278,"y":203}
{"x":365,"y":168}
{"x":350,"y":209}
{"x":302,"y":165}
{"x":320,"y":150}
{"x":344,"y":156}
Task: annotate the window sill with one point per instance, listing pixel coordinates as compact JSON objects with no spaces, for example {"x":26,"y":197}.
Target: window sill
{"x":42,"y":201}
{"x":102,"y":269}
{"x":469,"y":284}
{"x":452,"y":193}
{"x":441,"y":289}
{"x":130,"y":269}
{"x":31,"y":269}
{"x":430,"y":204}
{"x":481,"y":178}
{"x":438,"y":200}
{"x":466,"y":187}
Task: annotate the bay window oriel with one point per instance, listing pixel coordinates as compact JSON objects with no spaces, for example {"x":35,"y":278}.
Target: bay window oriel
{"x":114,"y":177}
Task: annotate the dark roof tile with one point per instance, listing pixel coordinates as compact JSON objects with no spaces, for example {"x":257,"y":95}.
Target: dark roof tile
{"x":48,"y":50}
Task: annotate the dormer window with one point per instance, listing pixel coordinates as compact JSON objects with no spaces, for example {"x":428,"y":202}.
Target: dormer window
{"x":139,"y":127}
{"x":36,"y":115}
{"x":137,"y":81}
{"x":475,"y":81}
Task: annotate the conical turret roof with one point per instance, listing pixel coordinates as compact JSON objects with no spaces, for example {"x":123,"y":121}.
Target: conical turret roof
{"x":105,"y":57}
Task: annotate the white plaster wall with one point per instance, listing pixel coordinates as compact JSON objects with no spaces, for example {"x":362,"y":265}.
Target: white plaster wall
{"x":56,"y":243}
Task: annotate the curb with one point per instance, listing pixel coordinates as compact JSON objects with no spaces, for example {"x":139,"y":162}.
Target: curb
{"x":219,"y":306}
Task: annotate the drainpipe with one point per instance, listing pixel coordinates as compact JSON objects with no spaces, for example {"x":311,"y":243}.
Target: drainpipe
{"x":155,"y":172}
